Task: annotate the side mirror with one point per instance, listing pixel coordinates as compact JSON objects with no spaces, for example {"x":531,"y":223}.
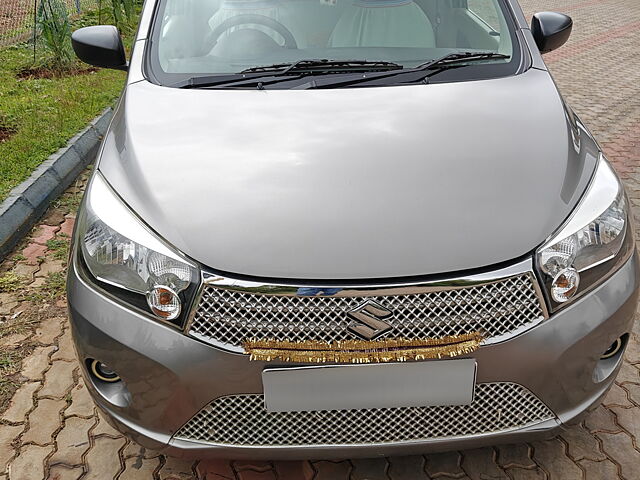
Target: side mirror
{"x":100,"y":46}
{"x":550,"y":30}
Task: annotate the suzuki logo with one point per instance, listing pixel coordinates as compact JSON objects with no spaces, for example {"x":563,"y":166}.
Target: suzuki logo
{"x":368,"y":322}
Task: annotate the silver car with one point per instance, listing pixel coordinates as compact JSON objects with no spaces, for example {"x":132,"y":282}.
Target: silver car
{"x":331,"y":228}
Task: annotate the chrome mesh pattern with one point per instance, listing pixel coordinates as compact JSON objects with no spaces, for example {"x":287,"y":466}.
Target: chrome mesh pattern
{"x":228,"y":317}
{"x":241,"y":420}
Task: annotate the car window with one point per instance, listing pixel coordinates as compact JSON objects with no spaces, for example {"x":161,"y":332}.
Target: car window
{"x":228,"y":36}
{"x":486,"y":11}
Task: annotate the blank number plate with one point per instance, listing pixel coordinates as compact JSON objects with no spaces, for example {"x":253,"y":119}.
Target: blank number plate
{"x":345,"y":387}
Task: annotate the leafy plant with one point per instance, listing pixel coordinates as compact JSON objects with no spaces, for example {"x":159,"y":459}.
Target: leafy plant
{"x":124,"y":13}
{"x":55,"y":30}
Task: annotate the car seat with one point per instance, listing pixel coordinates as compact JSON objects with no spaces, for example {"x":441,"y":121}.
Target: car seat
{"x":383,"y":23}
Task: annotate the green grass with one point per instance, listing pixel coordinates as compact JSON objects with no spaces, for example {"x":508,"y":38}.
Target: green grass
{"x":59,"y":247}
{"x":9,"y":282}
{"x":45,"y":113}
{"x":54,"y":284}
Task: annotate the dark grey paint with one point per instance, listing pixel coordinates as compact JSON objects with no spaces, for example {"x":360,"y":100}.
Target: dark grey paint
{"x":351,"y":183}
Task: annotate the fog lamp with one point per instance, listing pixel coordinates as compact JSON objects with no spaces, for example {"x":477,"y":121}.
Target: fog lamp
{"x":565,"y":285}
{"x":103,"y":372}
{"x":164,"y":302}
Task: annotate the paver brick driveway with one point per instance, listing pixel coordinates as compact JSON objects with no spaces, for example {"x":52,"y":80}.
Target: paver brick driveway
{"x":51,"y":430}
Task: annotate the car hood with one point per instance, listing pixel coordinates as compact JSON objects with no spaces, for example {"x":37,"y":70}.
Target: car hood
{"x":356,"y":183}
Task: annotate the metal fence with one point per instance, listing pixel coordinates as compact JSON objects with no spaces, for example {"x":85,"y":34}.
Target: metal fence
{"x":18,"y":17}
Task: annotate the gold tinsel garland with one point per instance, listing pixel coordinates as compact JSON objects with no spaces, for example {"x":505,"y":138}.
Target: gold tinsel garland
{"x":362,"y":351}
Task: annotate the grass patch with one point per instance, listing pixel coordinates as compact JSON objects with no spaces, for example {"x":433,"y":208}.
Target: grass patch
{"x":39,"y":115}
{"x":59,"y":248}
{"x":54,"y":284}
{"x":9,"y":282}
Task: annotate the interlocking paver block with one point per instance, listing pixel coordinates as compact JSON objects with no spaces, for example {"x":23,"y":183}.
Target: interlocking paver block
{"x":581,"y":444}
{"x":35,"y":364}
{"x":67,"y":227}
{"x":628,"y":373}
{"x":21,"y":403}
{"x":12,"y":341}
{"x":58,"y":380}
{"x":134,"y":450}
{"x":220,"y":469}
{"x":601,"y":420}
{"x":140,"y":468}
{"x":81,"y":402}
{"x":33,"y":252}
{"x":293,"y":470}
{"x":50,"y":266}
{"x":25,"y":271}
{"x":30,"y":464}
{"x":326,"y":470}
{"x":536,"y":473}
{"x":518,"y":455}
{"x":252,"y":465}
{"x":72,"y":441}
{"x":61,"y":472}
{"x":552,"y":457}
{"x":634,"y":393}
{"x":253,"y":475}
{"x":66,"y":350}
{"x":44,"y":233}
{"x":102,"y":461}
{"x":175,"y":469}
{"x":407,"y":468}
{"x":632,"y":353}
{"x":447,"y":463}
{"x":628,"y":419}
{"x":8,"y":433}
{"x":480,"y":464}
{"x":617,"y":396}
{"x":619,"y":448}
{"x":103,"y":428}
{"x":604,"y":470}
{"x":48,"y":330}
{"x":44,"y":420}
{"x":369,"y":469}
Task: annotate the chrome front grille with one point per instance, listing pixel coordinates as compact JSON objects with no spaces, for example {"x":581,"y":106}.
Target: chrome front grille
{"x":241,"y":420}
{"x":228,"y":315}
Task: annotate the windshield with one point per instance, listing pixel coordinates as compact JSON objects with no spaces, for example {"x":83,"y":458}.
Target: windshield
{"x":195,"y":38}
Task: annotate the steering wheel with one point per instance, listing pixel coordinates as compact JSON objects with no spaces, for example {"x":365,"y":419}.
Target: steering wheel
{"x":251,"y":19}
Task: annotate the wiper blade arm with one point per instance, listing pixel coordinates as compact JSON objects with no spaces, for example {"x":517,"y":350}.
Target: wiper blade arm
{"x":239,"y":79}
{"x":374,"y":70}
{"x":327,"y":66}
{"x":451,"y":60}
{"x":458,"y":57}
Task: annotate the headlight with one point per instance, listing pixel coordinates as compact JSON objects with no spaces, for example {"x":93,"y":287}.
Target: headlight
{"x":593,"y":235}
{"x":119,"y":250}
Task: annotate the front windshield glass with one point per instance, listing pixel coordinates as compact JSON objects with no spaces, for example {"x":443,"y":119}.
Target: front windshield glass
{"x":217,"y":37}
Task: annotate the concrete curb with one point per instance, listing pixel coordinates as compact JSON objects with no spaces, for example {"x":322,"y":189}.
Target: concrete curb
{"x":28,"y":201}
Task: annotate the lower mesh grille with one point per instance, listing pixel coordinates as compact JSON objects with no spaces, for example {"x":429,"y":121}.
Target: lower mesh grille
{"x":241,"y":420}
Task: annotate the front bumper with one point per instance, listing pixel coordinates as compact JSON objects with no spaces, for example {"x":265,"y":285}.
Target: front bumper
{"x":169,"y":377}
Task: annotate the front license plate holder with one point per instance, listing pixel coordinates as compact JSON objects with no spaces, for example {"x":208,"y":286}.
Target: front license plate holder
{"x":388,"y":385}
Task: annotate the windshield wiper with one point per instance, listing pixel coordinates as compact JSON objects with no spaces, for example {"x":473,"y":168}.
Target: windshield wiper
{"x":327,"y":66}
{"x":286,"y":71}
{"x":341,"y":70}
{"x":420,"y":73}
{"x":459,"y":57}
